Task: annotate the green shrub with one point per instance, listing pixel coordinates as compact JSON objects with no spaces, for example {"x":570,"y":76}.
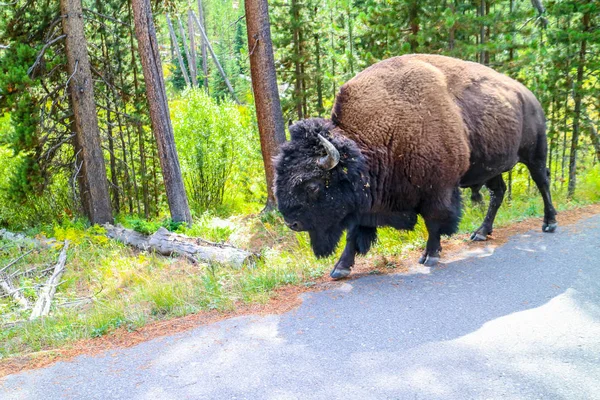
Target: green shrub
{"x":218,"y":149}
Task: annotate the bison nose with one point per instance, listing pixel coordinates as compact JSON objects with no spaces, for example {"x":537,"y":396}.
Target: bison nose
{"x":295,"y":226}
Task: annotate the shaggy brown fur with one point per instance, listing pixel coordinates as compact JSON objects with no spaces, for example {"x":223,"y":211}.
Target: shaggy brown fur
{"x":404,"y":115}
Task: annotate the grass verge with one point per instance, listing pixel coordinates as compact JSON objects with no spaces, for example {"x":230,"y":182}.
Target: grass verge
{"x":130,"y":289}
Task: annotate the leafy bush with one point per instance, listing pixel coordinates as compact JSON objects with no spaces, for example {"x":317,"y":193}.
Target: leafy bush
{"x":590,"y":184}
{"x":31,"y":208}
{"x":218,"y":149}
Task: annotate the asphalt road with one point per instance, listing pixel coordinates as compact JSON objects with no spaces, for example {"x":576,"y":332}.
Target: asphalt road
{"x":521,"y":321}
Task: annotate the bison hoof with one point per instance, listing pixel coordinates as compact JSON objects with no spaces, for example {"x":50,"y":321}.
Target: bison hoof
{"x":429,"y":260}
{"x":339,"y":273}
{"x":551,"y":227}
{"x":478,"y":237}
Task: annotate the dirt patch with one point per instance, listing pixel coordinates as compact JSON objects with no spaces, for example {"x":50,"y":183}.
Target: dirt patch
{"x":284,"y":299}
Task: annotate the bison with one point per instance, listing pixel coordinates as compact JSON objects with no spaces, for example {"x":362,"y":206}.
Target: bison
{"x":404,"y":135}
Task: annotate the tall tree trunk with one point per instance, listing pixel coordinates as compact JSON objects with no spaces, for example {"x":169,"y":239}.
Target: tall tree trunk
{"x":127,"y":185}
{"x":134,"y":180}
{"x":178,"y":52}
{"x":264,"y":85}
{"x":413,"y":17}
{"x":350,"y":40}
{"x":193,"y":62}
{"x":553,"y":104}
{"x":114,"y":183}
{"x":451,"y":34}
{"x":486,"y":53}
{"x":94,"y":193}
{"x":303,"y":86}
{"x":333,"y":84}
{"x":113,"y":164}
{"x":595,"y":139}
{"x":159,"y":111}
{"x":188,"y":57}
{"x":320,"y":107}
{"x":139,"y":101}
{"x":564,"y":144}
{"x":510,"y":59}
{"x":216,"y":60}
{"x":203,"y":45}
{"x":577,"y":112}
{"x":296,"y":54}
{"x":482,"y":32}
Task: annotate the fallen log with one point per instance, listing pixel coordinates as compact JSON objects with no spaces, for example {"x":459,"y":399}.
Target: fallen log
{"x":8,"y":287}
{"x":19,"y":238}
{"x":46,"y":294}
{"x":169,"y":243}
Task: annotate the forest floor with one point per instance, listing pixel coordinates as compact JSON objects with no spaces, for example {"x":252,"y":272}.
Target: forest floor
{"x":280,"y":299}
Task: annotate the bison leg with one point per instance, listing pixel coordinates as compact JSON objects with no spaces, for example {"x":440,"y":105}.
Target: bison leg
{"x":358,"y":240}
{"x":440,"y":220}
{"x":476,"y":197}
{"x":497,"y":189}
{"x":431,"y":255}
{"x":540,"y":175}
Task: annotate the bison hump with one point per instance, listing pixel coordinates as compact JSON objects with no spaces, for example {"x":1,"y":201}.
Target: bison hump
{"x":401,"y":110}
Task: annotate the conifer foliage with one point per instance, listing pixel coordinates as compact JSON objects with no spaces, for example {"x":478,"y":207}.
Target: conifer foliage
{"x":552,"y":46}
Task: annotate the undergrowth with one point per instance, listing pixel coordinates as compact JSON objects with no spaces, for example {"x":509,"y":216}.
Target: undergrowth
{"x":128,"y":289}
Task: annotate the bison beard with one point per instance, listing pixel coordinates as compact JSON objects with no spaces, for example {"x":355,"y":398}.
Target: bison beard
{"x":404,"y":135}
{"x":324,"y":243}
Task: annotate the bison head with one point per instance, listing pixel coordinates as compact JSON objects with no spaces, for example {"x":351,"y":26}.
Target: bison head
{"x":321,"y":183}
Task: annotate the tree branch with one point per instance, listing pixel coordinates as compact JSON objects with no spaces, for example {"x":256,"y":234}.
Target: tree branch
{"x":41,"y":53}
{"x":237,"y":20}
{"x":13,"y":262}
{"x":105,"y":16}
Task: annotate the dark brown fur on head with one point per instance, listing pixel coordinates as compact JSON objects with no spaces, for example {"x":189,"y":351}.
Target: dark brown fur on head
{"x":322,"y":202}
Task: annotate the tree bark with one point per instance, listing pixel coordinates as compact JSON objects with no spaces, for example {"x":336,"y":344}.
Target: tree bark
{"x":413,"y":16}
{"x":264,"y":85}
{"x":114,"y":184}
{"x":186,"y":78}
{"x":203,"y":45}
{"x":188,"y":57}
{"x":296,"y":55}
{"x":139,"y":104}
{"x":332,"y":31}
{"x":451,"y":34}
{"x":350,"y":40}
{"x":482,"y":32}
{"x":215,"y":59}
{"x":193,"y":63}
{"x":94,"y":191}
{"x":320,"y":107}
{"x":159,"y":111}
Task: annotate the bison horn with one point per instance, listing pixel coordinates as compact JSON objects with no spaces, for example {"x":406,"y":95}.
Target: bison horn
{"x":333,"y":155}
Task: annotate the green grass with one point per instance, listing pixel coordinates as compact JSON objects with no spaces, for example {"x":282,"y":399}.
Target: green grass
{"x":132,"y":289}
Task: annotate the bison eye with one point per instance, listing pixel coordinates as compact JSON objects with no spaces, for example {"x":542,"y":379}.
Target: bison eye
{"x":313,"y":189}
